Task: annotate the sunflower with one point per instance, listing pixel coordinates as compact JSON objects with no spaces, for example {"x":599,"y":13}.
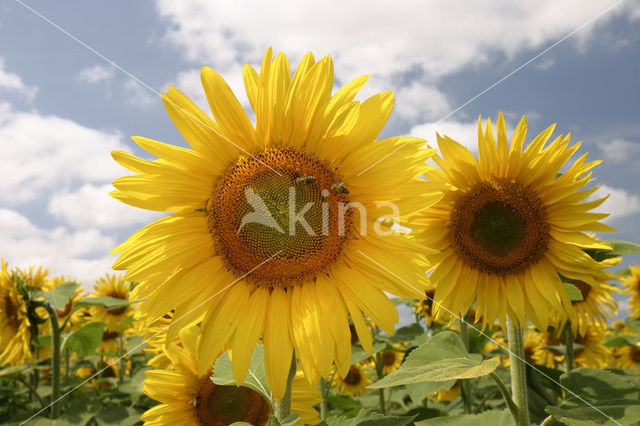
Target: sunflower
{"x":632,"y":284}
{"x":34,"y":276}
{"x":73,"y":318}
{"x":424,"y":307}
{"x":391,"y":360}
{"x":15,"y":327}
{"x":355,"y":382}
{"x":113,"y":286}
{"x":548,"y":357}
{"x":272,"y":220}
{"x":509,"y":224}
{"x":446,"y":395}
{"x":594,"y":354}
{"x":188,"y":398}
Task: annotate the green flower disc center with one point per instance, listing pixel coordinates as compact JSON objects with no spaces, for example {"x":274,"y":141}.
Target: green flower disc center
{"x":498,"y":228}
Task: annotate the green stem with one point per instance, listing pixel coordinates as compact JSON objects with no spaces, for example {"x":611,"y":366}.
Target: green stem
{"x":505,"y":394}
{"x":379,"y":367}
{"x":568,"y":342}
{"x":547,"y":421}
{"x":283,"y":406}
{"x":120,"y":355}
{"x":465,"y":391}
{"x":32,"y":390}
{"x":67,"y":364}
{"x":518,"y":372}
{"x":324,"y":391}
{"x":55,"y":361}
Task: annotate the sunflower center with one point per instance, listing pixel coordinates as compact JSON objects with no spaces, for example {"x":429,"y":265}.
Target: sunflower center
{"x":10,"y":311}
{"x":584,"y":288}
{"x":635,"y":354}
{"x":223,"y":405}
{"x":353,"y":377}
{"x":110,"y":335}
{"x":499,"y":227}
{"x":283,"y":210}
{"x":117,"y":311}
{"x":388,"y":358}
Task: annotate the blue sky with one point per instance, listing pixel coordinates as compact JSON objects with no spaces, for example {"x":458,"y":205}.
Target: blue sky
{"x":63,"y":108}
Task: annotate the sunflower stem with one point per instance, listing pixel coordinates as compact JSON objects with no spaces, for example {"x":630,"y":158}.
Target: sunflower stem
{"x":55,"y":360}
{"x":518,"y":372}
{"x":283,"y":406}
{"x":464,"y":384}
{"x":380,"y":374}
{"x":120,"y":355}
{"x":505,"y":394}
{"x":568,"y":341}
{"x":324,"y":391}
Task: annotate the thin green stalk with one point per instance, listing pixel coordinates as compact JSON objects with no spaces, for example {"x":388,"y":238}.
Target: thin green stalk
{"x":67,"y":364}
{"x":518,"y":372}
{"x":465,"y":390}
{"x":379,"y":366}
{"x":324,"y":391}
{"x":568,"y":341}
{"x":32,"y":390}
{"x":283,"y":406}
{"x":505,"y":394}
{"x":120,"y":355}
{"x":55,"y":361}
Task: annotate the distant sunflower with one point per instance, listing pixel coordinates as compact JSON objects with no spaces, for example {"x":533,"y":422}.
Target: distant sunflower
{"x":424,"y":307}
{"x":187,"y":398}
{"x":544,"y":356}
{"x":509,"y":224}
{"x":15,"y":327}
{"x":74,"y":317}
{"x":594,"y":354}
{"x":627,"y":357}
{"x":355,"y":382}
{"x":113,"y":286}
{"x":446,"y":395}
{"x":392,"y":359}
{"x":632,"y":284}
{"x":34,"y":276}
{"x":236,"y":198}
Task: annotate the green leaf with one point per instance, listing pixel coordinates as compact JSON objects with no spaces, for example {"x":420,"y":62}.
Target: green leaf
{"x":488,"y":418}
{"x":442,"y":358}
{"x":615,"y":341}
{"x":59,"y":296}
{"x":358,"y":354}
{"x":620,"y":248}
{"x":106,"y":301}
{"x":256,"y":376}
{"x":633,"y":324}
{"x":404,"y":334}
{"x":273,"y":421}
{"x":86,"y":339}
{"x":369,"y":417}
{"x":574,"y":294}
{"x":604,"y":398}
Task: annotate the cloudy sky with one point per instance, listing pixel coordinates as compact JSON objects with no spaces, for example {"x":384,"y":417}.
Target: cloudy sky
{"x":78,"y":78}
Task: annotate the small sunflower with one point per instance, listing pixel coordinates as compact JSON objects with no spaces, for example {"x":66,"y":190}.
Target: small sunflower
{"x":424,"y":307}
{"x":632,"y":284}
{"x":544,"y":356}
{"x":508,"y":225}
{"x":391,"y":360}
{"x":112,"y":286}
{"x":188,"y":398}
{"x":627,"y":357}
{"x":34,"y":276}
{"x":446,"y":395}
{"x":355,"y":382}
{"x":594,"y":354}
{"x":237,"y":200}
{"x":15,"y":327}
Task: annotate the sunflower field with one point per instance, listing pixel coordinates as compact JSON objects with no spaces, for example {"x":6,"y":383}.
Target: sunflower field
{"x":270,"y":292}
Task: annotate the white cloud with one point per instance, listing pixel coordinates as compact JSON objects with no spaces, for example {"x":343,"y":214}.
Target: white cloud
{"x":545,"y":64}
{"x":465,"y":133}
{"x":140,"y":96}
{"x":96,"y":74}
{"x":619,"y":149}
{"x":378,"y":37}
{"x":12,"y":82}
{"x":91,"y":206}
{"x":420,"y":101}
{"x":81,"y":253}
{"x":620,"y":203}
{"x":39,"y":154}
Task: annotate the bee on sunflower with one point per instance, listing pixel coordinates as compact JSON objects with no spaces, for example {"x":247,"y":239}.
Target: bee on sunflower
{"x":259,"y":234}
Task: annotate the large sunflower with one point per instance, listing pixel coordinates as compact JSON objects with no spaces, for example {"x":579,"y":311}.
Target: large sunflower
{"x":509,"y":224}
{"x":15,"y":327}
{"x":113,"y":286}
{"x":259,"y":228}
{"x":188,"y":398}
{"x":632,"y":284}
